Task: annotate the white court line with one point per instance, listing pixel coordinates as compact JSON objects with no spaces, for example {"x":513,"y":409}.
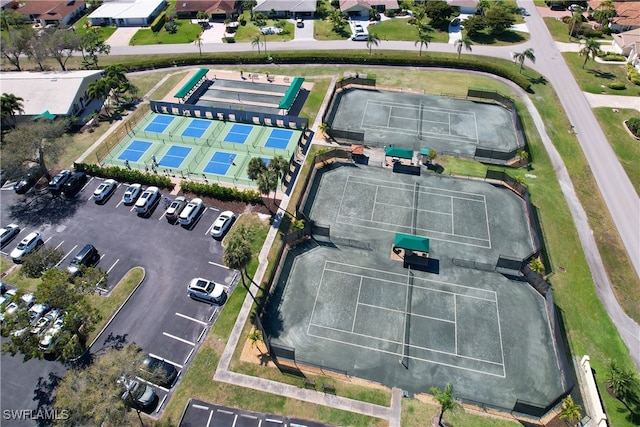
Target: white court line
{"x":219,"y":265}
{"x":455,"y":324}
{"x":184,"y":316}
{"x":409,"y":187}
{"x":178,"y":339}
{"x":344,"y":191}
{"x":500,"y":335}
{"x":486,"y":216}
{"x":166,"y":360}
{"x":421,"y":316}
{"x":375,"y":197}
{"x":475,"y":121}
{"x":355,"y":314}
{"x":315,"y":302}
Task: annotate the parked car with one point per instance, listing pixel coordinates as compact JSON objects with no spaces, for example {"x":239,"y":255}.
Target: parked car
{"x":455,"y":21}
{"x":222,"y":224}
{"x":104,"y":190}
{"x":358,"y":29}
{"x":207,"y":291}
{"x":175,"y":208}
{"x":131,"y":195}
{"x":26,"y":245}
{"x":51,"y":336}
{"x":43,"y":323}
{"x":191,"y":212}
{"x":359,"y":37}
{"x":299,"y":23}
{"x":575,"y":8}
{"x":28,"y":180}
{"x":158,"y":371}
{"x":58,"y":181}
{"x":147,"y":200}
{"x":137,"y":393}
{"x":87,"y":256}
{"x":74,"y":184}
{"x":8,"y":233}
{"x":12,"y":304}
{"x":556,"y":6}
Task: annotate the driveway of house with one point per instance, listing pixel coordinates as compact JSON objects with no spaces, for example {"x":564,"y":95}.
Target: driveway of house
{"x":122,"y":36}
{"x":304,"y":33}
{"x":214,"y":34}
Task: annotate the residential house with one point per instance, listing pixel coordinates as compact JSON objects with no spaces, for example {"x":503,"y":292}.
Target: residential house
{"x":50,"y":12}
{"x":286,"y":8}
{"x":628,"y":44}
{"x":627,"y":14}
{"x":127,"y":13}
{"x":467,"y":7}
{"x":364,"y":7}
{"x":215,"y":9}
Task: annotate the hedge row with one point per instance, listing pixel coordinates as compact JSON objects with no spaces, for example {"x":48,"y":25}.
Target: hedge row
{"x":158,"y":23}
{"x":221,"y":193}
{"x":633,"y":74}
{"x":381,"y":57}
{"x":125,"y":175}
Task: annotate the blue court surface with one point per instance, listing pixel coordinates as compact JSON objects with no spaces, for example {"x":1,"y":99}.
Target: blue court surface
{"x":159,"y":124}
{"x":220,"y":163}
{"x":238,"y":133}
{"x":196,"y":128}
{"x":174,"y":157}
{"x":134,"y":151}
{"x":279,"y":138}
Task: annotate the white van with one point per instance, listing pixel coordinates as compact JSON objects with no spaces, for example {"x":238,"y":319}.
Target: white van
{"x":360,"y":37}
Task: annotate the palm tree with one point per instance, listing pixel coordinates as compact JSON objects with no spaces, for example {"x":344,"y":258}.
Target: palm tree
{"x":465,"y":42}
{"x":10,"y":105}
{"x":255,"y":41}
{"x":268,"y":182}
{"x":605,"y":12}
{"x":372,"y":40}
{"x":237,"y":253}
{"x":255,"y":167}
{"x":198,"y":42}
{"x":591,"y":49}
{"x":254,"y":336}
{"x":280,"y":166}
{"x":575,"y":19}
{"x":521,"y":56}
{"x":100,"y":89}
{"x":423,"y":40}
{"x":445,"y":400}
{"x":571,"y":411}
{"x":622,"y":383}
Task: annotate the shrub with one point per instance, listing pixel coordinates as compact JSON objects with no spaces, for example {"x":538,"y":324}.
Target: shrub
{"x":634,"y":126}
{"x":633,"y":75}
{"x":125,"y":175}
{"x":617,"y":86}
{"x":230,"y":39}
{"x":158,"y":23}
{"x":221,"y":193}
{"x":171,"y":27}
{"x":612,"y":57}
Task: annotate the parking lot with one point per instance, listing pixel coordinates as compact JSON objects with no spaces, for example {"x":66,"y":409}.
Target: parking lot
{"x":159,"y":316}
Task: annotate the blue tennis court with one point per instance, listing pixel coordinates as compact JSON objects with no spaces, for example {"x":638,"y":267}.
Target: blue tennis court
{"x":220,"y":163}
{"x":134,"y":151}
{"x":196,"y":128}
{"x":175,"y":156}
{"x":238,"y":133}
{"x":159,"y":124}
{"x":279,"y":138}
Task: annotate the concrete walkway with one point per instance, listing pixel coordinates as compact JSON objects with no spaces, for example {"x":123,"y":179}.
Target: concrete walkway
{"x":613,"y":101}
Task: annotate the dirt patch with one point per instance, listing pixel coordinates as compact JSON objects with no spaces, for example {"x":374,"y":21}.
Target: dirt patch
{"x":267,"y":207}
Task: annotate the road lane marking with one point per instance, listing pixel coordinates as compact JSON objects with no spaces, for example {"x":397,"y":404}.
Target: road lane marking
{"x":179,"y":339}
{"x":191,"y":318}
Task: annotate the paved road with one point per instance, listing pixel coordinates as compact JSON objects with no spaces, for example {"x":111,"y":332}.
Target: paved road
{"x":614,"y":185}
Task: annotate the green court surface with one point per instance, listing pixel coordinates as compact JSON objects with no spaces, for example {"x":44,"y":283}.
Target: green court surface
{"x":342,"y":303}
{"x":448,"y":125}
{"x":201,"y":148}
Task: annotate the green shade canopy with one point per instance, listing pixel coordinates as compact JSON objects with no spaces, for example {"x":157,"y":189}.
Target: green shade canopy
{"x":292,"y":92}
{"x":184,"y":90}
{"x":46,"y":115}
{"x":425,"y":151}
{"x":402,"y":153}
{"x":413,"y":243}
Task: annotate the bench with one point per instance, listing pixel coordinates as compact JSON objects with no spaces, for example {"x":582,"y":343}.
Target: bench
{"x":309,"y":383}
{"x":328,"y":388}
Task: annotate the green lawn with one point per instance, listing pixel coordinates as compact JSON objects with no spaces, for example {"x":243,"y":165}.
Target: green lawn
{"x":246,"y":33}
{"x":595,"y":77}
{"x":323,"y":30}
{"x":504,"y":39}
{"x":81,"y":28}
{"x":186,"y":33}
{"x":558,"y":29}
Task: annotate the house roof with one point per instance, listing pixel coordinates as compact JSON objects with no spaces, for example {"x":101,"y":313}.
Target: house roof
{"x":463,"y":3}
{"x":628,"y":12}
{"x":368,"y":4}
{"x":126,"y":9}
{"x":61,"y":89}
{"x":52,"y":9}
{"x":208,"y":6}
{"x":627,"y":38}
{"x":290,"y":5}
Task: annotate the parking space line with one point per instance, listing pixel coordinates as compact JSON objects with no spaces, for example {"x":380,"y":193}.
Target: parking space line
{"x":162,"y":403}
{"x":219,"y":265}
{"x":85,"y":186}
{"x":66,"y":255}
{"x":225,"y":412}
{"x":163,"y":214}
{"x":114,"y":264}
{"x":206,"y":408}
{"x":191,"y":318}
{"x":153,"y":384}
{"x":166,"y":360}
{"x":271,"y":420}
{"x":119,"y":203}
{"x":209,"y":420}
{"x":178,"y":339}
{"x":213,"y":314}
{"x":202,"y":334}
{"x":253,"y":417}
{"x":47,"y":241}
{"x":214,"y":209}
{"x":206,"y":233}
{"x":60,"y":244}
{"x":188,"y":356}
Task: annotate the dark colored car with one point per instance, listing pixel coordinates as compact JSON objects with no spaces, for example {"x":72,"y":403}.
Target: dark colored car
{"x":74,"y":184}
{"x":28,"y":180}
{"x":58,"y":181}
{"x":87,"y":256}
{"x":556,"y":6}
{"x":158,"y":371}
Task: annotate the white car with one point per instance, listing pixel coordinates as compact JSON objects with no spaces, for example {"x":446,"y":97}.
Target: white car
{"x":13,"y":305}
{"x":191,"y":212}
{"x":26,"y":245}
{"x":146,"y":201}
{"x":207,"y":291}
{"x":358,"y":29}
{"x":51,"y":336}
{"x":8,"y":232}
{"x":43,"y":323}
{"x":360,"y":37}
{"x":131,"y":195}
{"x":222,"y":224}
{"x":104,"y":190}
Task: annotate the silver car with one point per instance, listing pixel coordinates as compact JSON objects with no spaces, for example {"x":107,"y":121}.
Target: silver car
{"x":26,"y":245}
{"x":207,"y":291}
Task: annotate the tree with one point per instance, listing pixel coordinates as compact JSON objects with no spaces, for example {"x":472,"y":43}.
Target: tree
{"x":483,"y":6}
{"x":38,"y":142}
{"x":254,"y":336}
{"x":267,"y":182}
{"x":372,"y":40}
{"x":445,"y":400}
{"x":623,"y":383}
{"x":15,"y":43}
{"x":92,"y":396}
{"x":202,"y":15}
{"x":100,"y":89}
{"x":255,"y":167}
{"x":61,"y":44}
{"x":255,"y":41}
{"x":465,"y":42}
{"x":280,"y":166}
{"x":260,"y":20}
{"x":337,"y":19}
{"x":605,"y":12}
{"x":37,"y":262}
{"x":237,"y":252}
{"x":591,"y":49}
{"x":116,"y":78}
{"x":423,"y":40}
{"x":91,"y":45}
{"x":474,"y":25}
{"x":498,"y":19}
{"x":9,"y":106}
{"x":575,"y":20}
{"x":249,"y":5}
{"x":570,"y":411}
{"x":439,"y":12}
{"x":198,"y":42}
{"x":525,"y":54}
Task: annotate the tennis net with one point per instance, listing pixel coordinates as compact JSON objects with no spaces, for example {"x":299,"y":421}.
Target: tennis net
{"x":420,"y":115}
{"x":414,"y":217}
{"x":407,"y":321}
